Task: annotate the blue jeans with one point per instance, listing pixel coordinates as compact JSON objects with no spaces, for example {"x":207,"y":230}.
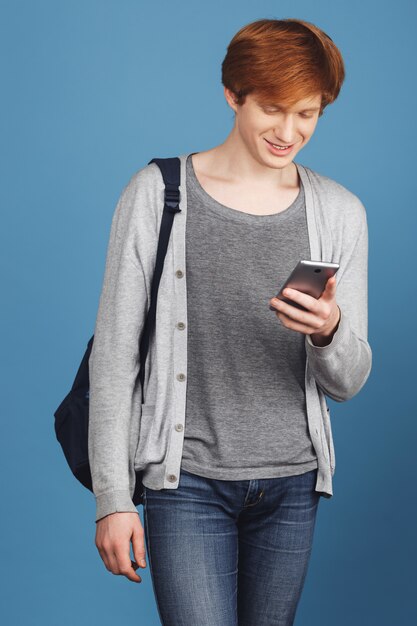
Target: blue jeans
{"x":230,"y":553}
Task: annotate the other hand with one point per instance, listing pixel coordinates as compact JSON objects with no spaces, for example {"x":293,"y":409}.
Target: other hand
{"x":113,"y":535}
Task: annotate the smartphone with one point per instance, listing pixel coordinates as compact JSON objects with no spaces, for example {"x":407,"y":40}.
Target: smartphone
{"x":309,"y":277}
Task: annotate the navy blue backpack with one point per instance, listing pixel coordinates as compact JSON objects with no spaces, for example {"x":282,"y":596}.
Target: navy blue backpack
{"x":71,"y":417}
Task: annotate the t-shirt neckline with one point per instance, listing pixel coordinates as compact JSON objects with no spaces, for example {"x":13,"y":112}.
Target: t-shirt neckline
{"x":241,"y":216}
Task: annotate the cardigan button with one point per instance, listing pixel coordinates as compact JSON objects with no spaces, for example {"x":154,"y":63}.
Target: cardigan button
{"x":179,"y":273}
{"x":172,"y":478}
{"x":181,"y":377}
{"x":179,"y":427}
{"x":181,"y":325}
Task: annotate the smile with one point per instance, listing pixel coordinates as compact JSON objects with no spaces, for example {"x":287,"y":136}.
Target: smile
{"x":277,"y":145}
{"x":277,"y":149}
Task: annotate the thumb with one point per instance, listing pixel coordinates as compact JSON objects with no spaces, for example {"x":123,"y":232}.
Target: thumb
{"x":330,"y":288}
{"x":138,"y":546}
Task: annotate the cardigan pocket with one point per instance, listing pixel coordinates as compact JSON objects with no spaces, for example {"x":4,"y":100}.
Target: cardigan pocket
{"x":147,"y":448}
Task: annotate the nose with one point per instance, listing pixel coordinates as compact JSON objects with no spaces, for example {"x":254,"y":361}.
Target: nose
{"x":285,"y":133}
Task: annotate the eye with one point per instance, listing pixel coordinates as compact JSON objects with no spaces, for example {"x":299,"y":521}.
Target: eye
{"x":304,"y":115}
{"x":269,"y":108}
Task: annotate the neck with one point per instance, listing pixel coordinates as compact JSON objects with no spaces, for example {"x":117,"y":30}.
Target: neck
{"x":232,"y":160}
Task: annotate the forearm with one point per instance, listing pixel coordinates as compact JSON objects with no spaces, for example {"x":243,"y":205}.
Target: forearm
{"x":341,"y":367}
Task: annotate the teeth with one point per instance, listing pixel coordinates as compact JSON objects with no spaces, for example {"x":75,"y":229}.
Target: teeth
{"x":280,"y":147}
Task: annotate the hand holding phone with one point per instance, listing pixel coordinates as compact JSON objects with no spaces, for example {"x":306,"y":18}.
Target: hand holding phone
{"x":310,"y":277}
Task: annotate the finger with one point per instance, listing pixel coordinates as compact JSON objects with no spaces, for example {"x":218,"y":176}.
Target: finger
{"x":105,"y":558}
{"x":304,"y":317}
{"x":109,"y":560}
{"x":124,"y":564}
{"x":292,"y":325}
{"x":302,"y":298}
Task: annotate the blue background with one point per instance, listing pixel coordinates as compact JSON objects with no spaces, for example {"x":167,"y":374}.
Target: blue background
{"x":91,"y":91}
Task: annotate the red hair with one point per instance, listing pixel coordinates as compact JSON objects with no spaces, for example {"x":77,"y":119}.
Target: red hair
{"x":283,"y":61}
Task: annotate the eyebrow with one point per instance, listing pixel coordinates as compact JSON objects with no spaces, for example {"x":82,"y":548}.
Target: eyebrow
{"x":278,"y":106}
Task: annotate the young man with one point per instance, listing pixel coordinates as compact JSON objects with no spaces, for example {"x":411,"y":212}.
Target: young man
{"x":234,"y":436}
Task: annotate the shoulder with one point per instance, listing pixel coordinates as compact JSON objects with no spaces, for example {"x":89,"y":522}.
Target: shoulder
{"x":339,"y":203}
{"x":146,"y":179}
{"x":141,"y":198}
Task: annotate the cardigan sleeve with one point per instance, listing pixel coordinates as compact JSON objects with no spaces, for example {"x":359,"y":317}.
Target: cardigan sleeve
{"x":114,"y":360}
{"x":342,"y":367}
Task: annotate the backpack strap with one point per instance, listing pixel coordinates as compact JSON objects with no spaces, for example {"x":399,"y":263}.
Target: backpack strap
{"x":171,"y":173}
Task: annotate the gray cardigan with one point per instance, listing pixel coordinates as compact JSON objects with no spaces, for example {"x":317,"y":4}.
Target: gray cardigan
{"x":125,"y":435}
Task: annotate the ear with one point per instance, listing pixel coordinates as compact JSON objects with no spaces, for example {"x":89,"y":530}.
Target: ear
{"x":230,"y":98}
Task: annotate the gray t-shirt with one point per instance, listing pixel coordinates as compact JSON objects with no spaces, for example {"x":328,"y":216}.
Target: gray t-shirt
{"x":245,"y":408}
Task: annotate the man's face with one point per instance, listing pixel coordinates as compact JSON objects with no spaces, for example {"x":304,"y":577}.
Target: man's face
{"x":259,"y":126}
